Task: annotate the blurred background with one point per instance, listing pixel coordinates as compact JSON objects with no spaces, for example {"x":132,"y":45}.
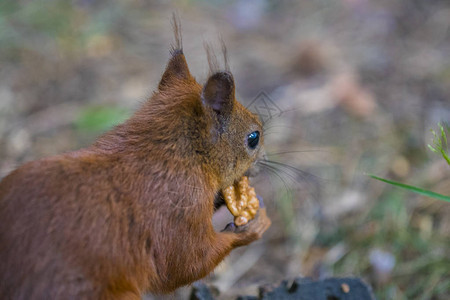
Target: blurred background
{"x":354,"y":87}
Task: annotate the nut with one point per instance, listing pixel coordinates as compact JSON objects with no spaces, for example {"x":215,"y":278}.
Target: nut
{"x":241,"y":201}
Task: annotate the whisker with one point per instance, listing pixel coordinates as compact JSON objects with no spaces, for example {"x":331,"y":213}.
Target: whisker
{"x":311,"y":180}
{"x":289,"y":175}
{"x":297,"y":151}
{"x":274,"y":172}
{"x":300,"y":172}
{"x":292,"y":109}
{"x":280,"y":126}
{"x":293,"y":179}
{"x":282,"y":112}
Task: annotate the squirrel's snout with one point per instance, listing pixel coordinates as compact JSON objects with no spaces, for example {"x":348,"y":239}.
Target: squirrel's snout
{"x":253,"y":170}
{"x":255,"y":167}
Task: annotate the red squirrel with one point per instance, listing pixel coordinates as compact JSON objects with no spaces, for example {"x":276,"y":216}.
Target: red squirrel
{"x":133,"y":212}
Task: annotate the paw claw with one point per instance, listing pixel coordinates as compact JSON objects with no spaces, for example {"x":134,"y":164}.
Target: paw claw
{"x":261,"y":202}
{"x":230,"y":227}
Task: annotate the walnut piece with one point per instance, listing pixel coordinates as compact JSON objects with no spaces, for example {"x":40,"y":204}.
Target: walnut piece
{"x":241,"y":200}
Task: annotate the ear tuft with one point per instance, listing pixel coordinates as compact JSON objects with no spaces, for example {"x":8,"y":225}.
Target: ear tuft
{"x":177,"y":68}
{"x":218,"y":93}
{"x":176,"y":26}
{"x":213,"y":62}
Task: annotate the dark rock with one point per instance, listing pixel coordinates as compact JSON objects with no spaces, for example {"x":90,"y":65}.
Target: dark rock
{"x":327,"y":289}
{"x":301,"y":289}
{"x":201,"y":291}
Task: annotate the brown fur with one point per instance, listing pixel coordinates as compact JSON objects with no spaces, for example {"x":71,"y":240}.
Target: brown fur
{"x":132,"y":213}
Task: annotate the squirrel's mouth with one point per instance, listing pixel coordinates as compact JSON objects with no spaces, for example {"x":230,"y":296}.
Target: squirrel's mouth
{"x":253,"y":170}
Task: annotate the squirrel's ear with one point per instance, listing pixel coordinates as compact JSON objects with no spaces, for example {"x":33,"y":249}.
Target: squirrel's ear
{"x":177,"y":69}
{"x":218,"y":93}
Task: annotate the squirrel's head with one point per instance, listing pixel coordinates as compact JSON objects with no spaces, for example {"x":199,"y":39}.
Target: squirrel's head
{"x":209,"y":124}
{"x":235,"y":134}
{"x":189,"y":123}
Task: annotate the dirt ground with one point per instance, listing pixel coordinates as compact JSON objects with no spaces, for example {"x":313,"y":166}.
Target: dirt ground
{"x":345,"y":88}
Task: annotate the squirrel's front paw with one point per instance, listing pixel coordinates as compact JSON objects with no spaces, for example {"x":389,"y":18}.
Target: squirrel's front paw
{"x":251,"y":231}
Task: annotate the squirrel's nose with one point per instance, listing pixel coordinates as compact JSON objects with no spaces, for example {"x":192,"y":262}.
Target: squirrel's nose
{"x":253,"y":170}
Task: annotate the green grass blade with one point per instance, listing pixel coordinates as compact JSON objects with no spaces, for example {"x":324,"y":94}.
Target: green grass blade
{"x":414,"y":189}
{"x":445,"y":156}
{"x":444,"y":136}
{"x":432,"y":149}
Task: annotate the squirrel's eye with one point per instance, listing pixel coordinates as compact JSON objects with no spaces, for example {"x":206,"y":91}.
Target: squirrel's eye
{"x":253,"y":139}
